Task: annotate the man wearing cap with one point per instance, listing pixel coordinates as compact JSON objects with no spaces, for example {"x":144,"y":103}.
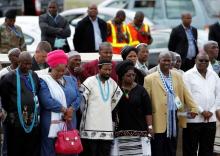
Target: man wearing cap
{"x":11,"y":35}
{"x":19,"y":92}
{"x":54,"y":28}
{"x":91,"y":68}
{"x":101,"y":94}
{"x":39,"y":58}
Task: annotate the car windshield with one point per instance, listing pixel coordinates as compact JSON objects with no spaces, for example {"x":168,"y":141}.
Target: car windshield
{"x":212,"y":7}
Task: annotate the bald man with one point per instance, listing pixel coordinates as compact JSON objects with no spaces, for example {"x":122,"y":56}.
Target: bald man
{"x":139,"y":32}
{"x":19,"y":90}
{"x":183,"y":40}
{"x":168,"y":95}
{"x":117,"y":32}
{"x":204,"y":85}
{"x":90,"y":32}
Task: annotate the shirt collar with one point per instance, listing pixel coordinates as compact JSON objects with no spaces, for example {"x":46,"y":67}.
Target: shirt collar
{"x":196,"y":70}
{"x":185,"y":28}
{"x":96,"y":20}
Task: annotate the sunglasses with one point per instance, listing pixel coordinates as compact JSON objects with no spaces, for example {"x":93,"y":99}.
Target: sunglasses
{"x":203,"y":60}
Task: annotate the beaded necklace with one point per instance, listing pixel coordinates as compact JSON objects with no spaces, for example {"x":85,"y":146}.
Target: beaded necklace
{"x":26,"y":128}
{"x":104,"y":97}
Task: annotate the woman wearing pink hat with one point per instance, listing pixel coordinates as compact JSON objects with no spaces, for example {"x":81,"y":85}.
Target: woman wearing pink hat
{"x":59,"y":99}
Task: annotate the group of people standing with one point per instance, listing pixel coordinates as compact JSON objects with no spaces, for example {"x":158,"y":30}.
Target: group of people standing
{"x":119,"y":108}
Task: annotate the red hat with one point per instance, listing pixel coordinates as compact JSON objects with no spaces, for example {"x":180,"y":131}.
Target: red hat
{"x":56,"y":57}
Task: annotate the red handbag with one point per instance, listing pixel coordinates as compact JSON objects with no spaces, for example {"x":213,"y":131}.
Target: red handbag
{"x":68,"y":142}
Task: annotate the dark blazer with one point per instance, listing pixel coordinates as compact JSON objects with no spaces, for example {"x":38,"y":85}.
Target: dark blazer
{"x":51,"y":29}
{"x":178,"y":41}
{"x":35,"y":65}
{"x":214,"y":34}
{"x":84,"y":40}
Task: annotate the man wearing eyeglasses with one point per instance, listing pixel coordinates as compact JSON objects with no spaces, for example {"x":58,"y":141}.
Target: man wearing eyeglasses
{"x":204,"y":85}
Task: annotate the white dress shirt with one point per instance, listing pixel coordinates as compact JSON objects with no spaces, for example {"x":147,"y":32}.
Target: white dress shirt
{"x":205,"y":92}
{"x":97,"y":33}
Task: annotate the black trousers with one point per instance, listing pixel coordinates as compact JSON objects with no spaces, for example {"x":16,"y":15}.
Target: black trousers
{"x":199,"y":137}
{"x":187,"y":64}
{"x":96,"y":147}
{"x":20,"y":143}
{"x":163,"y":146}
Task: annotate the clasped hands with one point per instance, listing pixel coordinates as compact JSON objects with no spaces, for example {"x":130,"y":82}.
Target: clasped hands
{"x":207,"y":115}
{"x":68,"y":113}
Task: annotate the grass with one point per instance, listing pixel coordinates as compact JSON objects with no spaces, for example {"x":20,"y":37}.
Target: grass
{"x":70,"y":4}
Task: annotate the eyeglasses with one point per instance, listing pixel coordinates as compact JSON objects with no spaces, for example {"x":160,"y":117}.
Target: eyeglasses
{"x":203,"y":60}
{"x":141,"y":44}
{"x":214,"y":47}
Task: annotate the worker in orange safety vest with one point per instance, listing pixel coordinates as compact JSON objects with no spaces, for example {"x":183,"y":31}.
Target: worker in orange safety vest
{"x":138,"y":31}
{"x":117,"y":32}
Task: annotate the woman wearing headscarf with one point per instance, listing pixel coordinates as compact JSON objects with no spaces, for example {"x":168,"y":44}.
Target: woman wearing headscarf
{"x":130,"y":53}
{"x":59,"y":98}
{"x":133,"y":115}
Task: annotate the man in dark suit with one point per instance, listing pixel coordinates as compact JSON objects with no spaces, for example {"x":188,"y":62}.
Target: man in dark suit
{"x":90,"y":32}
{"x":214,"y":34}
{"x":54,"y":28}
{"x":183,"y":40}
{"x":40,"y":55}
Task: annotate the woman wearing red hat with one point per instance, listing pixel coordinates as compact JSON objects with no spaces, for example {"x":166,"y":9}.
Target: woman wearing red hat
{"x":59,"y":98}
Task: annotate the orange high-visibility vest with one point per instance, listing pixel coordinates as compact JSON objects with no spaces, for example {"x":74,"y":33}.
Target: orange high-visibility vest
{"x":133,"y":34}
{"x":116,"y":46}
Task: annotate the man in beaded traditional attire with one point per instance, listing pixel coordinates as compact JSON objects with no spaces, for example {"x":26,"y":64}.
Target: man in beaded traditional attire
{"x":168,"y":94}
{"x":101,"y":94}
{"x":19,"y":90}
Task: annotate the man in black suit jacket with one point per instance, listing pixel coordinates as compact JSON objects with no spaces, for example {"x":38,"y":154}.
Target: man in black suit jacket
{"x":54,"y":27}
{"x":40,"y":55}
{"x":183,"y":40}
{"x":90,"y":32}
{"x":214,"y":34}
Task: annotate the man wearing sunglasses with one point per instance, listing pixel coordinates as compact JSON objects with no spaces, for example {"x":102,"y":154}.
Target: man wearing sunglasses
{"x":204,"y":85}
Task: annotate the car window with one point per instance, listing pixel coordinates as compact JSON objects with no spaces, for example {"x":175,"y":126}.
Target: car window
{"x":118,"y":4}
{"x":28,"y":39}
{"x":174,"y":8}
{"x":160,"y":40}
{"x":151,"y":8}
{"x":212,"y":7}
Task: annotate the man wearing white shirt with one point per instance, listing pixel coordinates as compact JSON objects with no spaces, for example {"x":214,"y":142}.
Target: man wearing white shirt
{"x":90,"y":32}
{"x":204,"y":85}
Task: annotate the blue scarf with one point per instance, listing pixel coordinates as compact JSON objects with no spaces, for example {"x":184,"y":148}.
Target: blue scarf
{"x":171,"y":109}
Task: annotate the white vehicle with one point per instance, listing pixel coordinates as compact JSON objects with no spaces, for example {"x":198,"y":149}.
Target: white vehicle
{"x":75,"y":15}
{"x":30,"y":28}
{"x":168,"y":12}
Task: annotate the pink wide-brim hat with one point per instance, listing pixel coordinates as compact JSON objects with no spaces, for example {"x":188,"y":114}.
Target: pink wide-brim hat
{"x":56,"y":57}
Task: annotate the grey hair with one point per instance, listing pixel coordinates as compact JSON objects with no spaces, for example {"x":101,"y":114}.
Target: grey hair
{"x":163,"y":54}
{"x":104,"y":44}
{"x":208,"y":44}
{"x":13,"y":50}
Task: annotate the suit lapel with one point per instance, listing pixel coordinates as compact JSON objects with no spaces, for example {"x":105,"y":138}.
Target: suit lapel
{"x":160,"y":81}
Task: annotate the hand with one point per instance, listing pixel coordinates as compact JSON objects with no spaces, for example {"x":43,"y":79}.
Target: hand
{"x":205,"y":114}
{"x":209,"y":115}
{"x":218,"y":114}
{"x":68,"y":114}
{"x":193,"y":114}
{"x":151,"y":132}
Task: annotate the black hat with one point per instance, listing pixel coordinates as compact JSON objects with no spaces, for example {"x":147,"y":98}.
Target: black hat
{"x":11,"y":14}
{"x":126,"y":50}
{"x":123,"y":67}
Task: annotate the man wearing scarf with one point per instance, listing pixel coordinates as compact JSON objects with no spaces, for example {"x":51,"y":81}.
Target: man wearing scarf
{"x":19,"y":91}
{"x":168,"y":96}
{"x":11,"y":35}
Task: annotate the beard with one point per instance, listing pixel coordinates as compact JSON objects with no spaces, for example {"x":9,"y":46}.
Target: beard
{"x":105,"y":77}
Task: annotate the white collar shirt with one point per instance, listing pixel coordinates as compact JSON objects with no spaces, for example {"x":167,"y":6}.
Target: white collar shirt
{"x":205,"y":92}
{"x":97,"y":33}
{"x":142,"y":67}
